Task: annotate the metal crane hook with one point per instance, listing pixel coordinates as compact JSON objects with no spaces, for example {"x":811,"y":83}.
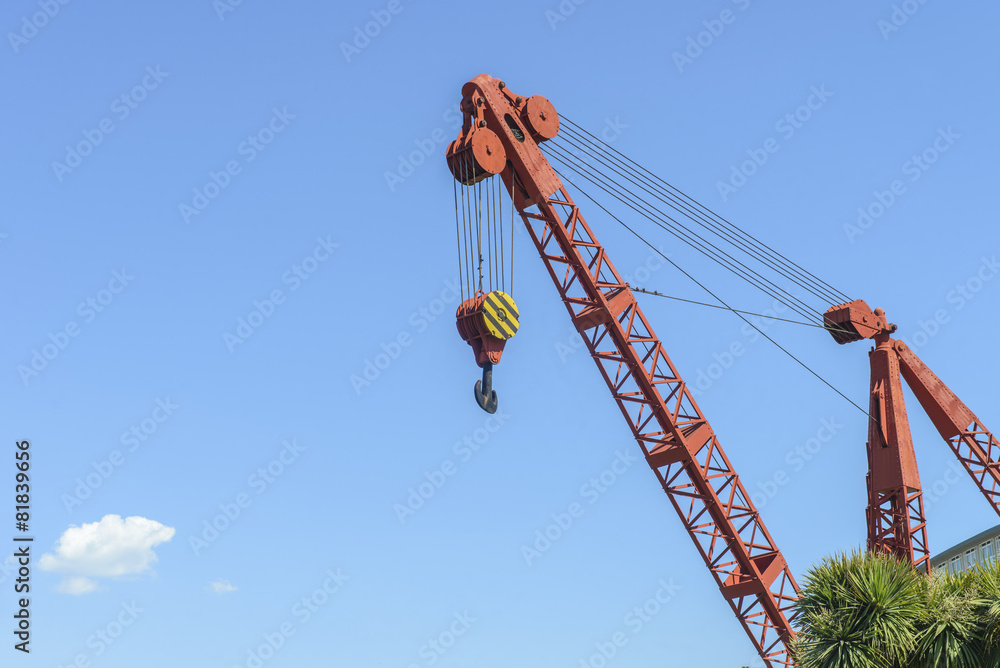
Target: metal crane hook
{"x":486,"y":396}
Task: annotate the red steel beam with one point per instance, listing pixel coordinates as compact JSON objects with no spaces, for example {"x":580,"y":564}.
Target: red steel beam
{"x":895,"y":511}
{"x":966,"y":435}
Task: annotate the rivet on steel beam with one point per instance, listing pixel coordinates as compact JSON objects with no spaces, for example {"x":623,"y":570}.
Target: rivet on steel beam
{"x":502,"y":85}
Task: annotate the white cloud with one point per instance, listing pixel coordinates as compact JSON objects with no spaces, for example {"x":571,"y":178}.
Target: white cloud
{"x":220,"y":587}
{"x":77,"y":586}
{"x":112,"y":547}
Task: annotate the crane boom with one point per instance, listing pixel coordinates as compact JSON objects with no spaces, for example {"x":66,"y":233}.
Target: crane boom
{"x":675,"y":437}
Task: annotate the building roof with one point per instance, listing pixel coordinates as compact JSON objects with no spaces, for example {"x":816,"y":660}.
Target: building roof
{"x":942,"y":558}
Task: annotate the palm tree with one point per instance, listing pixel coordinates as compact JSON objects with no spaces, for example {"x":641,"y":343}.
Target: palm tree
{"x":951,"y":635}
{"x":873,"y":611}
{"x":859,"y":611}
{"x":986,"y":579}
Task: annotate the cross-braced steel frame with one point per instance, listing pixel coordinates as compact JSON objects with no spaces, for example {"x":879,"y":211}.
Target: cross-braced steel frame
{"x":668,"y":425}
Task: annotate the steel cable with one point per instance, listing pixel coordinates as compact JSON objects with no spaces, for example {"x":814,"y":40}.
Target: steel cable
{"x":698,"y":218}
{"x":716,"y":297}
{"x":724,"y":308}
{"x":458,"y":239}
{"x":466,"y":229}
{"x":480,"y":220}
{"x":498,"y":269}
{"x":823,"y":287}
{"x":638,"y":205}
{"x":503,"y":262}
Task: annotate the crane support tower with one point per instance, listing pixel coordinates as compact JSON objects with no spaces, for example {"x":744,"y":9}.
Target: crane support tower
{"x":895,"y":513}
{"x":500,"y":135}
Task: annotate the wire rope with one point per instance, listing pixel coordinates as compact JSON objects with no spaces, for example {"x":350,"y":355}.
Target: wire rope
{"x":622,"y":194}
{"x":696,"y":217}
{"x":716,"y":297}
{"x":763,"y":248}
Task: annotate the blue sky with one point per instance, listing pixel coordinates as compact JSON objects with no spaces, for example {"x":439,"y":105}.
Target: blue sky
{"x":215,"y":214}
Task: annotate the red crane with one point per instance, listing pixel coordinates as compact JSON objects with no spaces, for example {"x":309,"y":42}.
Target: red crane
{"x":895,"y":513}
{"x":501,"y":135}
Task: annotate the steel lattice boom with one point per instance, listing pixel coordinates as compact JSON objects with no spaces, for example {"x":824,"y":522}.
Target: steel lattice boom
{"x":675,"y":437}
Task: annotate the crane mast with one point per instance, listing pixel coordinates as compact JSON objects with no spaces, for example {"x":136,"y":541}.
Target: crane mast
{"x":895,"y":513}
{"x":500,"y":135}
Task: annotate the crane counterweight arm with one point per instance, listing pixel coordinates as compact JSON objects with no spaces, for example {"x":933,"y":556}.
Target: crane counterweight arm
{"x":679,"y":444}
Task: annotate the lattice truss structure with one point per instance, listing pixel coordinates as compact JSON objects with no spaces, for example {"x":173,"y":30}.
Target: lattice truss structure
{"x":674,"y":435}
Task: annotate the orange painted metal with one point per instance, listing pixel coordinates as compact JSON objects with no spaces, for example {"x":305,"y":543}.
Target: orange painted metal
{"x":477,"y":154}
{"x":471,"y":325}
{"x":853,"y":321}
{"x":488,"y":104}
{"x":675,"y":437}
{"x":541,"y":118}
{"x":889,"y":432}
{"x":974,"y":445}
{"x":895,"y":512}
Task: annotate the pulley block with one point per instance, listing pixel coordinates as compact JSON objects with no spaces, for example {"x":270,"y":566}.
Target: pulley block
{"x":476,"y":155}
